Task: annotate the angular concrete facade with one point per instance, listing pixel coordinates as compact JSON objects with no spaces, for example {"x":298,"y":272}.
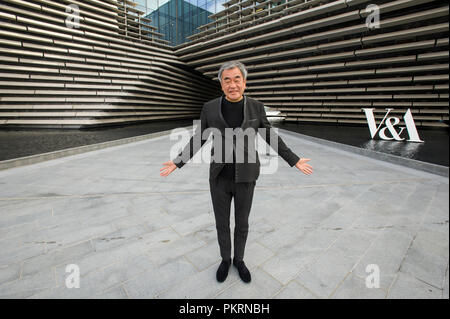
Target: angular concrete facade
{"x":315,"y":61}
{"x":110,"y":70}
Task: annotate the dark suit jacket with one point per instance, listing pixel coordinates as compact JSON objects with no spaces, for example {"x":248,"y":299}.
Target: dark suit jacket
{"x":212,"y":121}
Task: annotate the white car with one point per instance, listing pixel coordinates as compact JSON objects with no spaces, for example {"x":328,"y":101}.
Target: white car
{"x":273,"y":115}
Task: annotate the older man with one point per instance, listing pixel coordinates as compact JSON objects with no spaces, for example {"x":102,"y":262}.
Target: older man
{"x":234,"y":176}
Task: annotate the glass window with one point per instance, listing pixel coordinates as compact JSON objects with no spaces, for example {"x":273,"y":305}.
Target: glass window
{"x":178,"y":19}
{"x":152,"y":4}
{"x":162,"y":2}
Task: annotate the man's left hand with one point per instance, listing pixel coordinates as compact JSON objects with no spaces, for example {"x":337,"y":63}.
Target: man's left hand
{"x":304,"y":167}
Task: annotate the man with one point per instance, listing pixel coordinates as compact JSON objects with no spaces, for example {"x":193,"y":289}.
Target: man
{"x":231,"y":176}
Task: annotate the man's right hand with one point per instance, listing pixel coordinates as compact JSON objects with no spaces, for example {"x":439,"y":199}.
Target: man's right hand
{"x":168,"y":168}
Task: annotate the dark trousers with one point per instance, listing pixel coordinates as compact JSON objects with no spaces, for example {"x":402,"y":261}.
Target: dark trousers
{"x":222,"y":191}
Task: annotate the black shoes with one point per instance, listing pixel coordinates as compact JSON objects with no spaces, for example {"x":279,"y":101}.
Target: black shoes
{"x":244,"y":273}
{"x":222,"y":272}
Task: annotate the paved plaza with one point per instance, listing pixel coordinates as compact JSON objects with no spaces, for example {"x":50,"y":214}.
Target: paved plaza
{"x":134,"y":234}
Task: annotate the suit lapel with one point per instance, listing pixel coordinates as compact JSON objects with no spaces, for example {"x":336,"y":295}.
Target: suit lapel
{"x":244,"y":121}
{"x":225,"y":124}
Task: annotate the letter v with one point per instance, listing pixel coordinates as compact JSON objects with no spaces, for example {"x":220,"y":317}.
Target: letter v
{"x":371,"y":121}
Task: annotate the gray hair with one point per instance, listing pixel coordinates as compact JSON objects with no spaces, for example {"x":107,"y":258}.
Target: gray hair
{"x":230,"y":65}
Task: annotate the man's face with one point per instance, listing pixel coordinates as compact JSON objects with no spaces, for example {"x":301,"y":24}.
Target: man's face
{"x":233,"y":84}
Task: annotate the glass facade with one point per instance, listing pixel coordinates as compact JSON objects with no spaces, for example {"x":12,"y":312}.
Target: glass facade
{"x":178,"y":19}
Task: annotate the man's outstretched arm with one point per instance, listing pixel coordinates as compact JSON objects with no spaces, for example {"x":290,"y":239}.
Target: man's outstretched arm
{"x":280,"y":147}
{"x":189,"y":150}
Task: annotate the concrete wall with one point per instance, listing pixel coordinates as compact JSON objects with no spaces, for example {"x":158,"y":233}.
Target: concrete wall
{"x":108,"y":71}
{"x":317,"y":61}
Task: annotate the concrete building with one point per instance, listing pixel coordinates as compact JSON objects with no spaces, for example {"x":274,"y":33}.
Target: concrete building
{"x":100,"y":66}
{"x":314,"y":61}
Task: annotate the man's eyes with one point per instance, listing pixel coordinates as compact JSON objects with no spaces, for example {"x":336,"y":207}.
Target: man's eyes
{"x":236,"y":81}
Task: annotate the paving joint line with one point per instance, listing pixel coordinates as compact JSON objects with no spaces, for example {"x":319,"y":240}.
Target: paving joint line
{"x":407,"y":250}
{"x":443,"y":281}
{"x":306,"y":288}
{"x":356,"y":264}
{"x":262,"y":188}
{"x":307,"y":265}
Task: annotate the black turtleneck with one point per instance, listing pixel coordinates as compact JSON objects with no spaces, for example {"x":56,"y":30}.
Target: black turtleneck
{"x":233,"y":113}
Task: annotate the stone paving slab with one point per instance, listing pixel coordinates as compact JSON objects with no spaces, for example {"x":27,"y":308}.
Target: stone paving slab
{"x":134,"y":234}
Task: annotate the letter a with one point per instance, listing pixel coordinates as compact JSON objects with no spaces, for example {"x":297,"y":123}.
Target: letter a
{"x":73,"y":279}
{"x":373,"y":19}
{"x":73,"y":20}
{"x":373,"y":279}
{"x":411,"y":127}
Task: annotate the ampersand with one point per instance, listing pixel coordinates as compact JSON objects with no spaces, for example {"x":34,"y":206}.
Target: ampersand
{"x":392,"y":130}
